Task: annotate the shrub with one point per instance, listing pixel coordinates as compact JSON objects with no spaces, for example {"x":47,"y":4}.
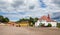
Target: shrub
{"x":58,"y":25}
{"x":41,"y":25}
{"x":49,"y":25}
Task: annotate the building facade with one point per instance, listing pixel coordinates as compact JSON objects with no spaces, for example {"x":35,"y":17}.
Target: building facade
{"x":46,"y":20}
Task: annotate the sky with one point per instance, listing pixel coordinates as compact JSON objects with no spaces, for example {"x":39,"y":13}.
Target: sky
{"x":17,"y":9}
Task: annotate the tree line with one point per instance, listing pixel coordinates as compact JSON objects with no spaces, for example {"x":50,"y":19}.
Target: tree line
{"x":4,"y":19}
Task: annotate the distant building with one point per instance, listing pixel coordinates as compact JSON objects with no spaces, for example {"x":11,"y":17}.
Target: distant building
{"x":24,"y":23}
{"x":11,"y":23}
{"x":45,"y":20}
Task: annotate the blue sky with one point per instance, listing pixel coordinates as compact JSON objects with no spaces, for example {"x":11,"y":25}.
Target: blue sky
{"x":17,"y":9}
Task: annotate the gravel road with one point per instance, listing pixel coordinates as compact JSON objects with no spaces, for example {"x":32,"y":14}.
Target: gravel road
{"x":10,"y":30}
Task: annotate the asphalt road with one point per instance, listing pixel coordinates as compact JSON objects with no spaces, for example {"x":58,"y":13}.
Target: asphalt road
{"x":10,"y":30}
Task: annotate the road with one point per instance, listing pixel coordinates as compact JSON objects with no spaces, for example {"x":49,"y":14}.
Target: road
{"x":10,"y":30}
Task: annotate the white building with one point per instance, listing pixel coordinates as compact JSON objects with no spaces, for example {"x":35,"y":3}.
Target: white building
{"x":46,"y":20}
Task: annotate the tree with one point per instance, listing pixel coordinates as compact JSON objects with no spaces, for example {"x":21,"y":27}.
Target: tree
{"x":6,"y":20}
{"x":23,"y":19}
{"x":58,"y":25}
{"x":3,"y":20}
{"x":35,"y":19}
{"x":31,"y":21}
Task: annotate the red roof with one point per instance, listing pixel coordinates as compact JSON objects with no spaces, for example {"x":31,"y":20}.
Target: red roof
{"x":47,"y":18}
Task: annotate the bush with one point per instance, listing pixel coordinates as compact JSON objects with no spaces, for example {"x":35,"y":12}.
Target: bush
{"x":41,"y":25}
{"x":49,"y":25}
{"x":58,"y":25}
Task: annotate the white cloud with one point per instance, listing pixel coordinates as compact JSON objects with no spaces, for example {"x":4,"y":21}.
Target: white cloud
{"x":30,"y":7}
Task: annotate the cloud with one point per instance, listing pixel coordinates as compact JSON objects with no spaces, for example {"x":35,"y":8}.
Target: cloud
{"x":56,"y":16}
{"x":31,"y":7}
{"x":42,"y":4}
{"x":57,"y":2}
{"x":17,"y":3}
{"x":25,"y":8}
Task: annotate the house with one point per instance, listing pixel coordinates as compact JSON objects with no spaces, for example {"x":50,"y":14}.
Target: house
{"x":24,"y":23}
{"x":46,"y":20}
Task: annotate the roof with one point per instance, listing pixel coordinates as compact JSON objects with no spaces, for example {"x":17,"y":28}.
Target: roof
{"x":48,"y":19}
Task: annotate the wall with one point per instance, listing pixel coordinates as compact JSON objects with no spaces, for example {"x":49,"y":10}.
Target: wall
{"x":54,"y":24}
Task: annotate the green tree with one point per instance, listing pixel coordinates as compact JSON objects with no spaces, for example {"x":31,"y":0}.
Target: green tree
{"x":58,"y":25}
{"x":6,"y":20}
{"x":23,"y":19}
{"x":30,"y":21}
{"x":35,"y":19}
{"x":3,"y":20}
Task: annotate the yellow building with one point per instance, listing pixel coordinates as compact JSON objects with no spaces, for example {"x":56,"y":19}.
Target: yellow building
{"x":24,"y":23}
